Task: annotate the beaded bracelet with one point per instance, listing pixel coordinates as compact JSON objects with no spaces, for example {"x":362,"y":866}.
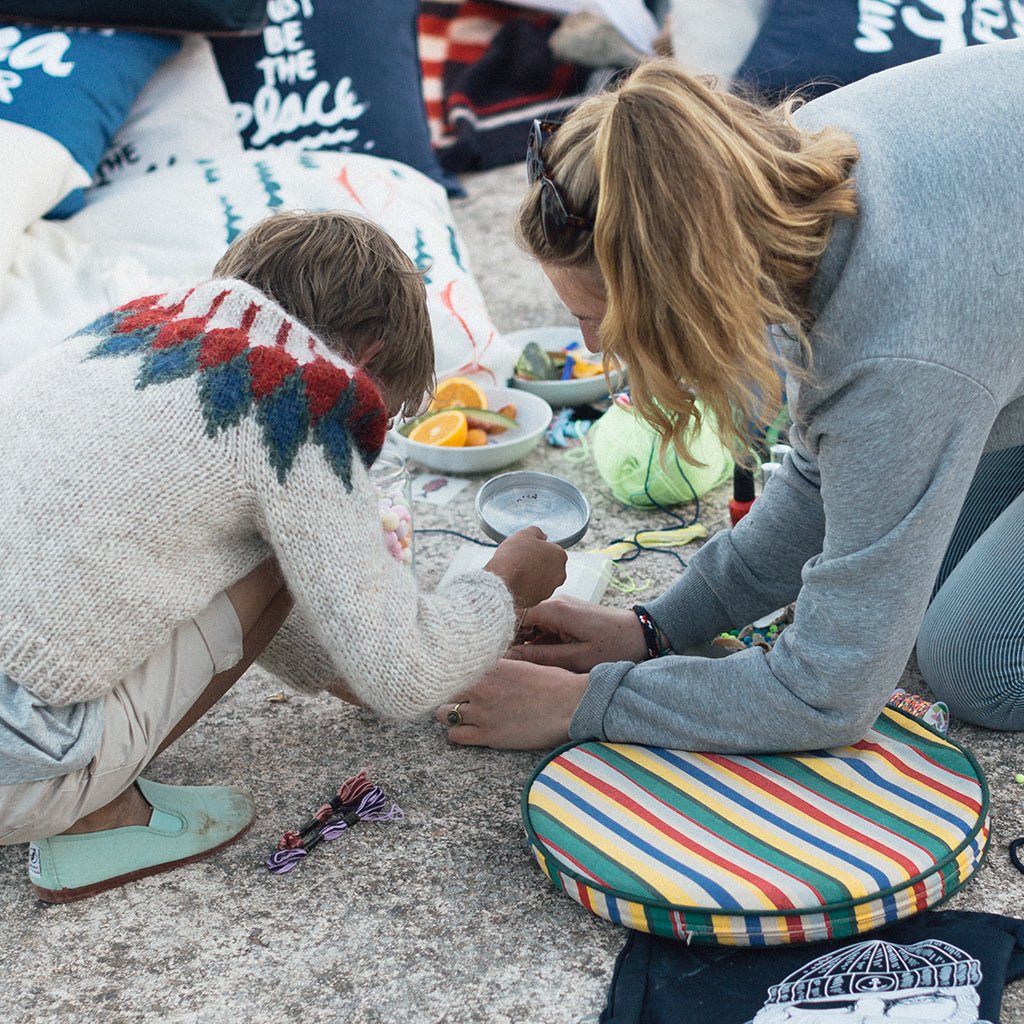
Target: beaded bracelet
{"x":653,"y":638}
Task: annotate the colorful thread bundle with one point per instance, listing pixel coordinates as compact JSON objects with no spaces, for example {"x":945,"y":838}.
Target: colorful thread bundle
{"x":655,"y":540}
{"x":761,"y":635}
{"x":933,"y":712}
{"x":357,"y":800}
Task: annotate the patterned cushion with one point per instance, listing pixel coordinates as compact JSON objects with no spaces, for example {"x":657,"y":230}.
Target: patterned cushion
{"x":817,"y":45}
{"x":76,"y":86}
{"x":487,"y":73}
{"x":333,"y":75}
{"x":123,"y":244}
{"x":761,"y":850}
{"x":182,"y":113}
{"x":224,"y":17}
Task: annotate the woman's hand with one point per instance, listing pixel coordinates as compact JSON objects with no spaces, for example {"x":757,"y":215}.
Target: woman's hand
{"x":531,"y":566}
{"x":577,"y":635}
{"x":516,"y":706}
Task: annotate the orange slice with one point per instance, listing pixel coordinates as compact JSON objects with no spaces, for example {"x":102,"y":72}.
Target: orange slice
{"x":460,"y":391}
{"x":448,"y":429}
{"x":582,"y":368}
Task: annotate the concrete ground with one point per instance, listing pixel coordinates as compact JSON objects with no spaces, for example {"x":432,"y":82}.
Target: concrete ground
{"x":441,"y":919}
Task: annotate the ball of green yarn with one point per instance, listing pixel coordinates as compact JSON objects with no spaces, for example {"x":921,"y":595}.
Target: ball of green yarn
{"x":625,"y":450}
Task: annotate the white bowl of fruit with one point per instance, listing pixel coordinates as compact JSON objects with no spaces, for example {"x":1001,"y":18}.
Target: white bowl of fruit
{"x":554,"y":365}
{"x":471,"y":427}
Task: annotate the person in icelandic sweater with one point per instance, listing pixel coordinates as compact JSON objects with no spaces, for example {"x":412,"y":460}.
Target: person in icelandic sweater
{"x":184,"y":490}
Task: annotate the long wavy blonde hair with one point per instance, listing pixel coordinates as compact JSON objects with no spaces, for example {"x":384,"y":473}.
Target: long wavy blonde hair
{"x":711,"y":213}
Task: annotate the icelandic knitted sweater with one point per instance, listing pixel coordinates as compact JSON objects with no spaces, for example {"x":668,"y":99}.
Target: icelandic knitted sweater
{"x":170,"y":447}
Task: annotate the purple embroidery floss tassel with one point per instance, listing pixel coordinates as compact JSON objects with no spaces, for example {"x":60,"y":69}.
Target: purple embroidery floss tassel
{"x":339,"y":825}
{"x":357,"y":799}
{"x":283,"y":859}
{"x":349,"y":792}
{"x":371,"y":808}
{"x":374,"y":810}
{"x":280,"y":862}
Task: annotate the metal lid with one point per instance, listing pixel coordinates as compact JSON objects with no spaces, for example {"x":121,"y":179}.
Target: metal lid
{"x":513,"y":501}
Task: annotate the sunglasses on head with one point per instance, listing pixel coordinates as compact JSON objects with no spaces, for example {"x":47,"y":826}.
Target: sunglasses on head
{"x":555,"y":219}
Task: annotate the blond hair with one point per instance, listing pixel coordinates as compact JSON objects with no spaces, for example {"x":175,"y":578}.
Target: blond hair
{"x":711,"y":213}
{"x":350,"y":283}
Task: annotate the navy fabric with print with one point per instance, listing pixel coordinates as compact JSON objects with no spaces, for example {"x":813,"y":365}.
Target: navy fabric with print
{"x":818,"y":45}
{"x":76,"y":86}
{"x":157,"y":15}
{"x":335,"y":75}
{"x":490,"y":103}
{"x":940,"y":965}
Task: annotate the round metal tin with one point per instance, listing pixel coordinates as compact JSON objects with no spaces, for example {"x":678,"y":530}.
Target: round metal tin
{"x":512,"y":501}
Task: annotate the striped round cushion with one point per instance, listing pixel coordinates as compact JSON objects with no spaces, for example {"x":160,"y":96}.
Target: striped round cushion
{"x":761,"y":850}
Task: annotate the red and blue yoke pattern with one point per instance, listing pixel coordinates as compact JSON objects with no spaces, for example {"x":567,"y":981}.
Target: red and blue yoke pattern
{"x":294,"y":401}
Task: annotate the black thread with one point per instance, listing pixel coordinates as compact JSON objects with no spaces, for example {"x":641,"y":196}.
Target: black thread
{"x":1015,"y":854}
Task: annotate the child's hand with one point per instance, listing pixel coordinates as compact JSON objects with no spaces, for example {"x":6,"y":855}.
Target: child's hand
{"x":531,"y":566}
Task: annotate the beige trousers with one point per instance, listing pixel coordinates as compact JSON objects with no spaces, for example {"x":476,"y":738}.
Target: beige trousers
{"x":138,"y":714}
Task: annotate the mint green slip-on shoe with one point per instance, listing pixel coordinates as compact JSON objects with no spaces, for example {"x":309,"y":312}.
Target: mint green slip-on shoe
{"x":188,"y":823}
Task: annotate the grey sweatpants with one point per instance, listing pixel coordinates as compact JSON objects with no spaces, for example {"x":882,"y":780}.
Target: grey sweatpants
{"x":971,"y":646}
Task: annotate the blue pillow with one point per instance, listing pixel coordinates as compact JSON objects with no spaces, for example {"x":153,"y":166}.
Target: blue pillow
{"x":76,"y":86}
{"x":333,"y":74}
{"x":818,"y":45}
{"x":152,"y":15}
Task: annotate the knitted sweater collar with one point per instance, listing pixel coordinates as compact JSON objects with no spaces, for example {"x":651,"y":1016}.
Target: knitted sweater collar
{"x":249,"y":357}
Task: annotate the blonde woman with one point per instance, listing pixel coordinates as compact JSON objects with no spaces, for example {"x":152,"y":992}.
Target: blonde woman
{"x":881,"y":228}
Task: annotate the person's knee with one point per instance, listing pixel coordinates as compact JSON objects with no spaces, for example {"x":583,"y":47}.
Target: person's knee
{"x":979,"y":674}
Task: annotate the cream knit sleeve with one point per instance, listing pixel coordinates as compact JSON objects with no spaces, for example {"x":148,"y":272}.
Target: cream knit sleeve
{"x":401,"y":652}
{"x":297,"y":657}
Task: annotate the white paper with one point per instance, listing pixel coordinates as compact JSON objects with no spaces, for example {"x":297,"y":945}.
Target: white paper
{"x":586,"y":573}
{"x":436,"y":488}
